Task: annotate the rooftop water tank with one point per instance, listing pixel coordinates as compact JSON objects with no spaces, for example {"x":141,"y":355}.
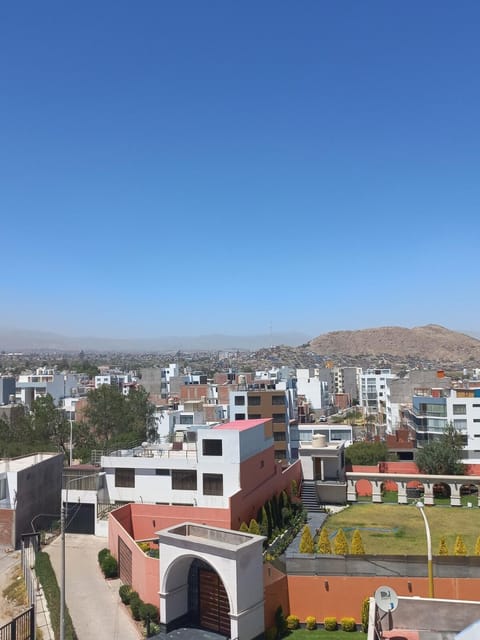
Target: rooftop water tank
{"x":319,"y":440}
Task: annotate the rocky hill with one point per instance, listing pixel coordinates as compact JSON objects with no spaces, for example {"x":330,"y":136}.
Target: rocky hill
{"x":431,"y":343}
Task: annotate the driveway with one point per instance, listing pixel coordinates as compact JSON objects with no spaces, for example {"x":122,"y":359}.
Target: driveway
{"x":93,"y":602}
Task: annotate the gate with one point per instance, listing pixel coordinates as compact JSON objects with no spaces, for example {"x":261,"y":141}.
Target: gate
{"x":124,"y":563}
{"x":20,"y":628}
{"x":213,"y":603}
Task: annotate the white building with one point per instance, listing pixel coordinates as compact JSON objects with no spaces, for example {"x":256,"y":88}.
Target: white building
{"x":31,"y":386}
{"x":373,"y":389}
{"x":313,"y":388}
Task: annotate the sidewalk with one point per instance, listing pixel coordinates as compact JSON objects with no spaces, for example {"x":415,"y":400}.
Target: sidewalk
{"x":93,"y":602}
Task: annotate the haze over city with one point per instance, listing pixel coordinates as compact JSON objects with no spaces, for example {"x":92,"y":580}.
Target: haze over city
{"x":193,"y":168}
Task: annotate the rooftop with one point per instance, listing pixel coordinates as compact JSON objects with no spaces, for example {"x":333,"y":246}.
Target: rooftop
{"x":240,"y":425}
{"x":18,"y":464}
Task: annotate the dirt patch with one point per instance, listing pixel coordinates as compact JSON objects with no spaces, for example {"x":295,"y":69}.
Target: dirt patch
{"x":13,"y":597}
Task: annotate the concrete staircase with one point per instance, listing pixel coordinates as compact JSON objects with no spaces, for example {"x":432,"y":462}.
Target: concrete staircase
{"x":309,"y":497}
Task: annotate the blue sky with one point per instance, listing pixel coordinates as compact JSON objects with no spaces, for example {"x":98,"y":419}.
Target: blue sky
{"x":184,"y":168}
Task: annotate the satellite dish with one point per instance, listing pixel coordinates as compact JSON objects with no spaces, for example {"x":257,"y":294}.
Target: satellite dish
{"x":386,"y":599}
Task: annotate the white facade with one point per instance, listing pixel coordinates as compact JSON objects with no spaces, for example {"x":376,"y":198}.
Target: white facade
{"x":314,"y":389}
{"x":204,"y":473}
{"x":31,"y":386}
{"x":373,"y":389}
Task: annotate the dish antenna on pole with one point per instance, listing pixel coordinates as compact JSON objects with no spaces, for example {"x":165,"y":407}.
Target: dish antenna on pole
{"x":386,"y":599}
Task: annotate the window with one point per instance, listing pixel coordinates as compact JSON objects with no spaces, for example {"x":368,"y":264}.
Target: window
{"x":239,"y":401}
{"x":279,"y":417}
{"x":460,"y":425}
{"x":254,"y":401}
{"x":459,"y":409}
{"x":212,"y":447}
{"x":162,"y":472}
{"x":254,"y":416}
{"x":184,"y":419}
{"x":279,"y":436}
{"x":212,"y":484}
{"x":276,"y":400}
{"x":3,"y":488}
{"x":125,"y":478}
{"x":239,"y":416}
{"x":184,"y":480}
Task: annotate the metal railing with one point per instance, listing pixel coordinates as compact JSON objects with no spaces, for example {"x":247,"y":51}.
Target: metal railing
{"x":20,"y":628}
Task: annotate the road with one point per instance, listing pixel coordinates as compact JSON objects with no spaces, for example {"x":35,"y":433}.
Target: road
{"x":93,"y":602}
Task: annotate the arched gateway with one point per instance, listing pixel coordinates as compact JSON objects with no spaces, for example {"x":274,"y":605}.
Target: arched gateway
{"x":212,"y":578}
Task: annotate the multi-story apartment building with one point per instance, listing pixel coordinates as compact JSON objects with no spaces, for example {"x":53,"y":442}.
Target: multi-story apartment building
{"x":373,"y":389}
{"x":262,"y":400}
{"x":7,"y":389}
{"x":314,"y":388}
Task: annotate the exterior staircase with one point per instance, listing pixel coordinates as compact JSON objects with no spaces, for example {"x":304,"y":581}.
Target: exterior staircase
{"x":309,"y":497}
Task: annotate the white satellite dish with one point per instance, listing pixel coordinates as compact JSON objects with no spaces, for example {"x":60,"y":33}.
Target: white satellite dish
{"x":386,"y":598}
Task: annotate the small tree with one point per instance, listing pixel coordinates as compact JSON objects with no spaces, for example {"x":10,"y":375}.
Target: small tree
{"x":357,"y":547}
{"x":264,"y":522}
{"x":477,"y":547}
{"x":323,"y":545}
{"x":280,"y":622}
{"x":365,"y":614}
{"x":306,"y":542}
{"x":443,"y":549}
{"x":253,"y":527}
{"x":294,"y":488}
{"x":460,"y":548}
{"x":244,"y":528}
{"x":340,"y":547}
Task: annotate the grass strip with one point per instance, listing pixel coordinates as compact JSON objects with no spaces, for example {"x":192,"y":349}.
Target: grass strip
{"x":48,"y":580}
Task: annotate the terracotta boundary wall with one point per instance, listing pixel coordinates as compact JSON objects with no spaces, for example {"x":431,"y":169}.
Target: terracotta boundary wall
{"x":342,"y":596}
{"x":145,"y":570}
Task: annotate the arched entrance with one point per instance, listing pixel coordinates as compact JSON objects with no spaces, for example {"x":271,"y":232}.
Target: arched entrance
{"x":212,"y":578}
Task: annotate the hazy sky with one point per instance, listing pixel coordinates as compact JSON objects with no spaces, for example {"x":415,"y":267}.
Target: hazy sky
{"x":239,"y":167}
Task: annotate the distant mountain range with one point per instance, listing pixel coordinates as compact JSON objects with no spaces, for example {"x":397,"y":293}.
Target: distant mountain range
{"x":17,"y":340}
{"x":431,"y":343}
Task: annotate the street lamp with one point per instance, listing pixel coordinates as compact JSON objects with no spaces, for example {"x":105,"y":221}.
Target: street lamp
{"x":431,"y":593}
{"x":62,"y":539}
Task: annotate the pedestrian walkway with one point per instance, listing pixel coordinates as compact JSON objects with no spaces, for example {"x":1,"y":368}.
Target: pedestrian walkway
{"x":93,"y":602}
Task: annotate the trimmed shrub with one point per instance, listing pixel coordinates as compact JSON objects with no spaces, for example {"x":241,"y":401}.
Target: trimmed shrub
{"x":244,"y":527}
{"x":293,"y":622}
{"x":357,"y":548}
{"x":144,"y":546}
{"x":125,"y":591}
{"x":280,"y":622}
{"x":310,"y":623}
{"x":460,"y":548}
{"x":110,"y":567}
{"x":365,"y":614}
{"x":294,"y":488}
{"x":340,"y":547}
{"x":443,"y":549}
{"x":348,"y":624}
{"x":330,"y":623}
{"x":149,"y":612}
{"x":135,"y":605}
{"x":306,"y":541}
{"x":477,"y":547}
{"x":253,"y":527}
{"x":102,"y":554}
{"x":323,"y":545}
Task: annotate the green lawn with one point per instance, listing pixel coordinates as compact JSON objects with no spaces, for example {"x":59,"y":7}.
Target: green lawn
{"x":321,"y":634}
{"x":399,"y":529}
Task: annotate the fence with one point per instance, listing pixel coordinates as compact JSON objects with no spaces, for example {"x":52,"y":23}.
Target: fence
{"x":20,"y":628}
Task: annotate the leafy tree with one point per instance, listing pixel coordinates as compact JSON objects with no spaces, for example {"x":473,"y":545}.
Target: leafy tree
{"x":366,"y":453}
{"x":323,"y":545}
{"x":443,"y":549}
{"x":263,"y":522}
{"x":460,"y":549}
{"x":306,"y":541}
{"x":49,"y":423}
{"x":340,"y":546}
{"x":442,"y":456}
{"x":357,"y":547}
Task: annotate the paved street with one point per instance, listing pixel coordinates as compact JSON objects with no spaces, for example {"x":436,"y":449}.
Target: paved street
{"x":93,"y":602}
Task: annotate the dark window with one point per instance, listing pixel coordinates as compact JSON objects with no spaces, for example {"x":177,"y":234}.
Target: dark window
{"x":162,"y":472}
{"x":459,"y":409}
{"x":239,"y":400}
{"x":212,"y":484}
{"x":212,"y":447}
{"x":279,"y":436}
{"x":278,"y":400}
{"x":254,"y":401}
{"x":125,"y":478}
{"x":278,"y":417}
{"x":254,"y":416}
{"x":239,"y":416}
{"x":184,"y":480}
